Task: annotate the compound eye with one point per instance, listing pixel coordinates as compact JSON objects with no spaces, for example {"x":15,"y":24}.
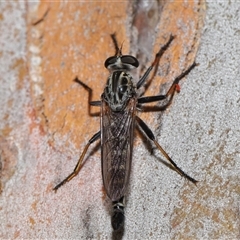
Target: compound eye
{"x":128,"y":59}
{"x":110,"y":61}
{"x":125,"y":62}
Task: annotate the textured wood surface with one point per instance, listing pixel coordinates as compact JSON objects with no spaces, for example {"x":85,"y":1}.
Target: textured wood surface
{"x":45,"y":122}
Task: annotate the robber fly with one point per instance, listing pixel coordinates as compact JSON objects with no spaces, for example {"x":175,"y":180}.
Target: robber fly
{"x":119,"y":103}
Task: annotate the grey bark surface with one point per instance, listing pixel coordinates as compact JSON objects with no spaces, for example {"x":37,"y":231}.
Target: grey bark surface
{"x":200,"y":132}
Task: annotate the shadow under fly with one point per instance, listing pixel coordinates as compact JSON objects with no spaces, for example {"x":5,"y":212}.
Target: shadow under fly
{"x":119,"y":103}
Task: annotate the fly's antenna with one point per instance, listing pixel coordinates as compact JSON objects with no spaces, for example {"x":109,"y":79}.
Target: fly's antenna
{"x":118,"y":51}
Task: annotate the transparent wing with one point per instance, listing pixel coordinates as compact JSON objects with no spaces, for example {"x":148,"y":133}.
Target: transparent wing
{"x":116,"y":148}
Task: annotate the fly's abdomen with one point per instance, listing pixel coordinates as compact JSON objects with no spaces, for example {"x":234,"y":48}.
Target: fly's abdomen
{"x":116,"y":144}
{"x":118,"y":166}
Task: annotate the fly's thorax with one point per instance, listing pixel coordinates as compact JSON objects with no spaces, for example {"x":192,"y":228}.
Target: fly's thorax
{"x":118,"y":90}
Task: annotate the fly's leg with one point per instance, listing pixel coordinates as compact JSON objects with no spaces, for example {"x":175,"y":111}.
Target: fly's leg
{"x":155,"y":64}
{"x":79,"y":164}
{"x":150,"y":135}
{"x":118,"y":214}
{"x":169,"y":95}
{"x":91,"y":103}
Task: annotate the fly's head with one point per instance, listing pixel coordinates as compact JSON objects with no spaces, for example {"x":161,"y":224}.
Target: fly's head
{"x":121,"y":62}
{"x":119,"y":88}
